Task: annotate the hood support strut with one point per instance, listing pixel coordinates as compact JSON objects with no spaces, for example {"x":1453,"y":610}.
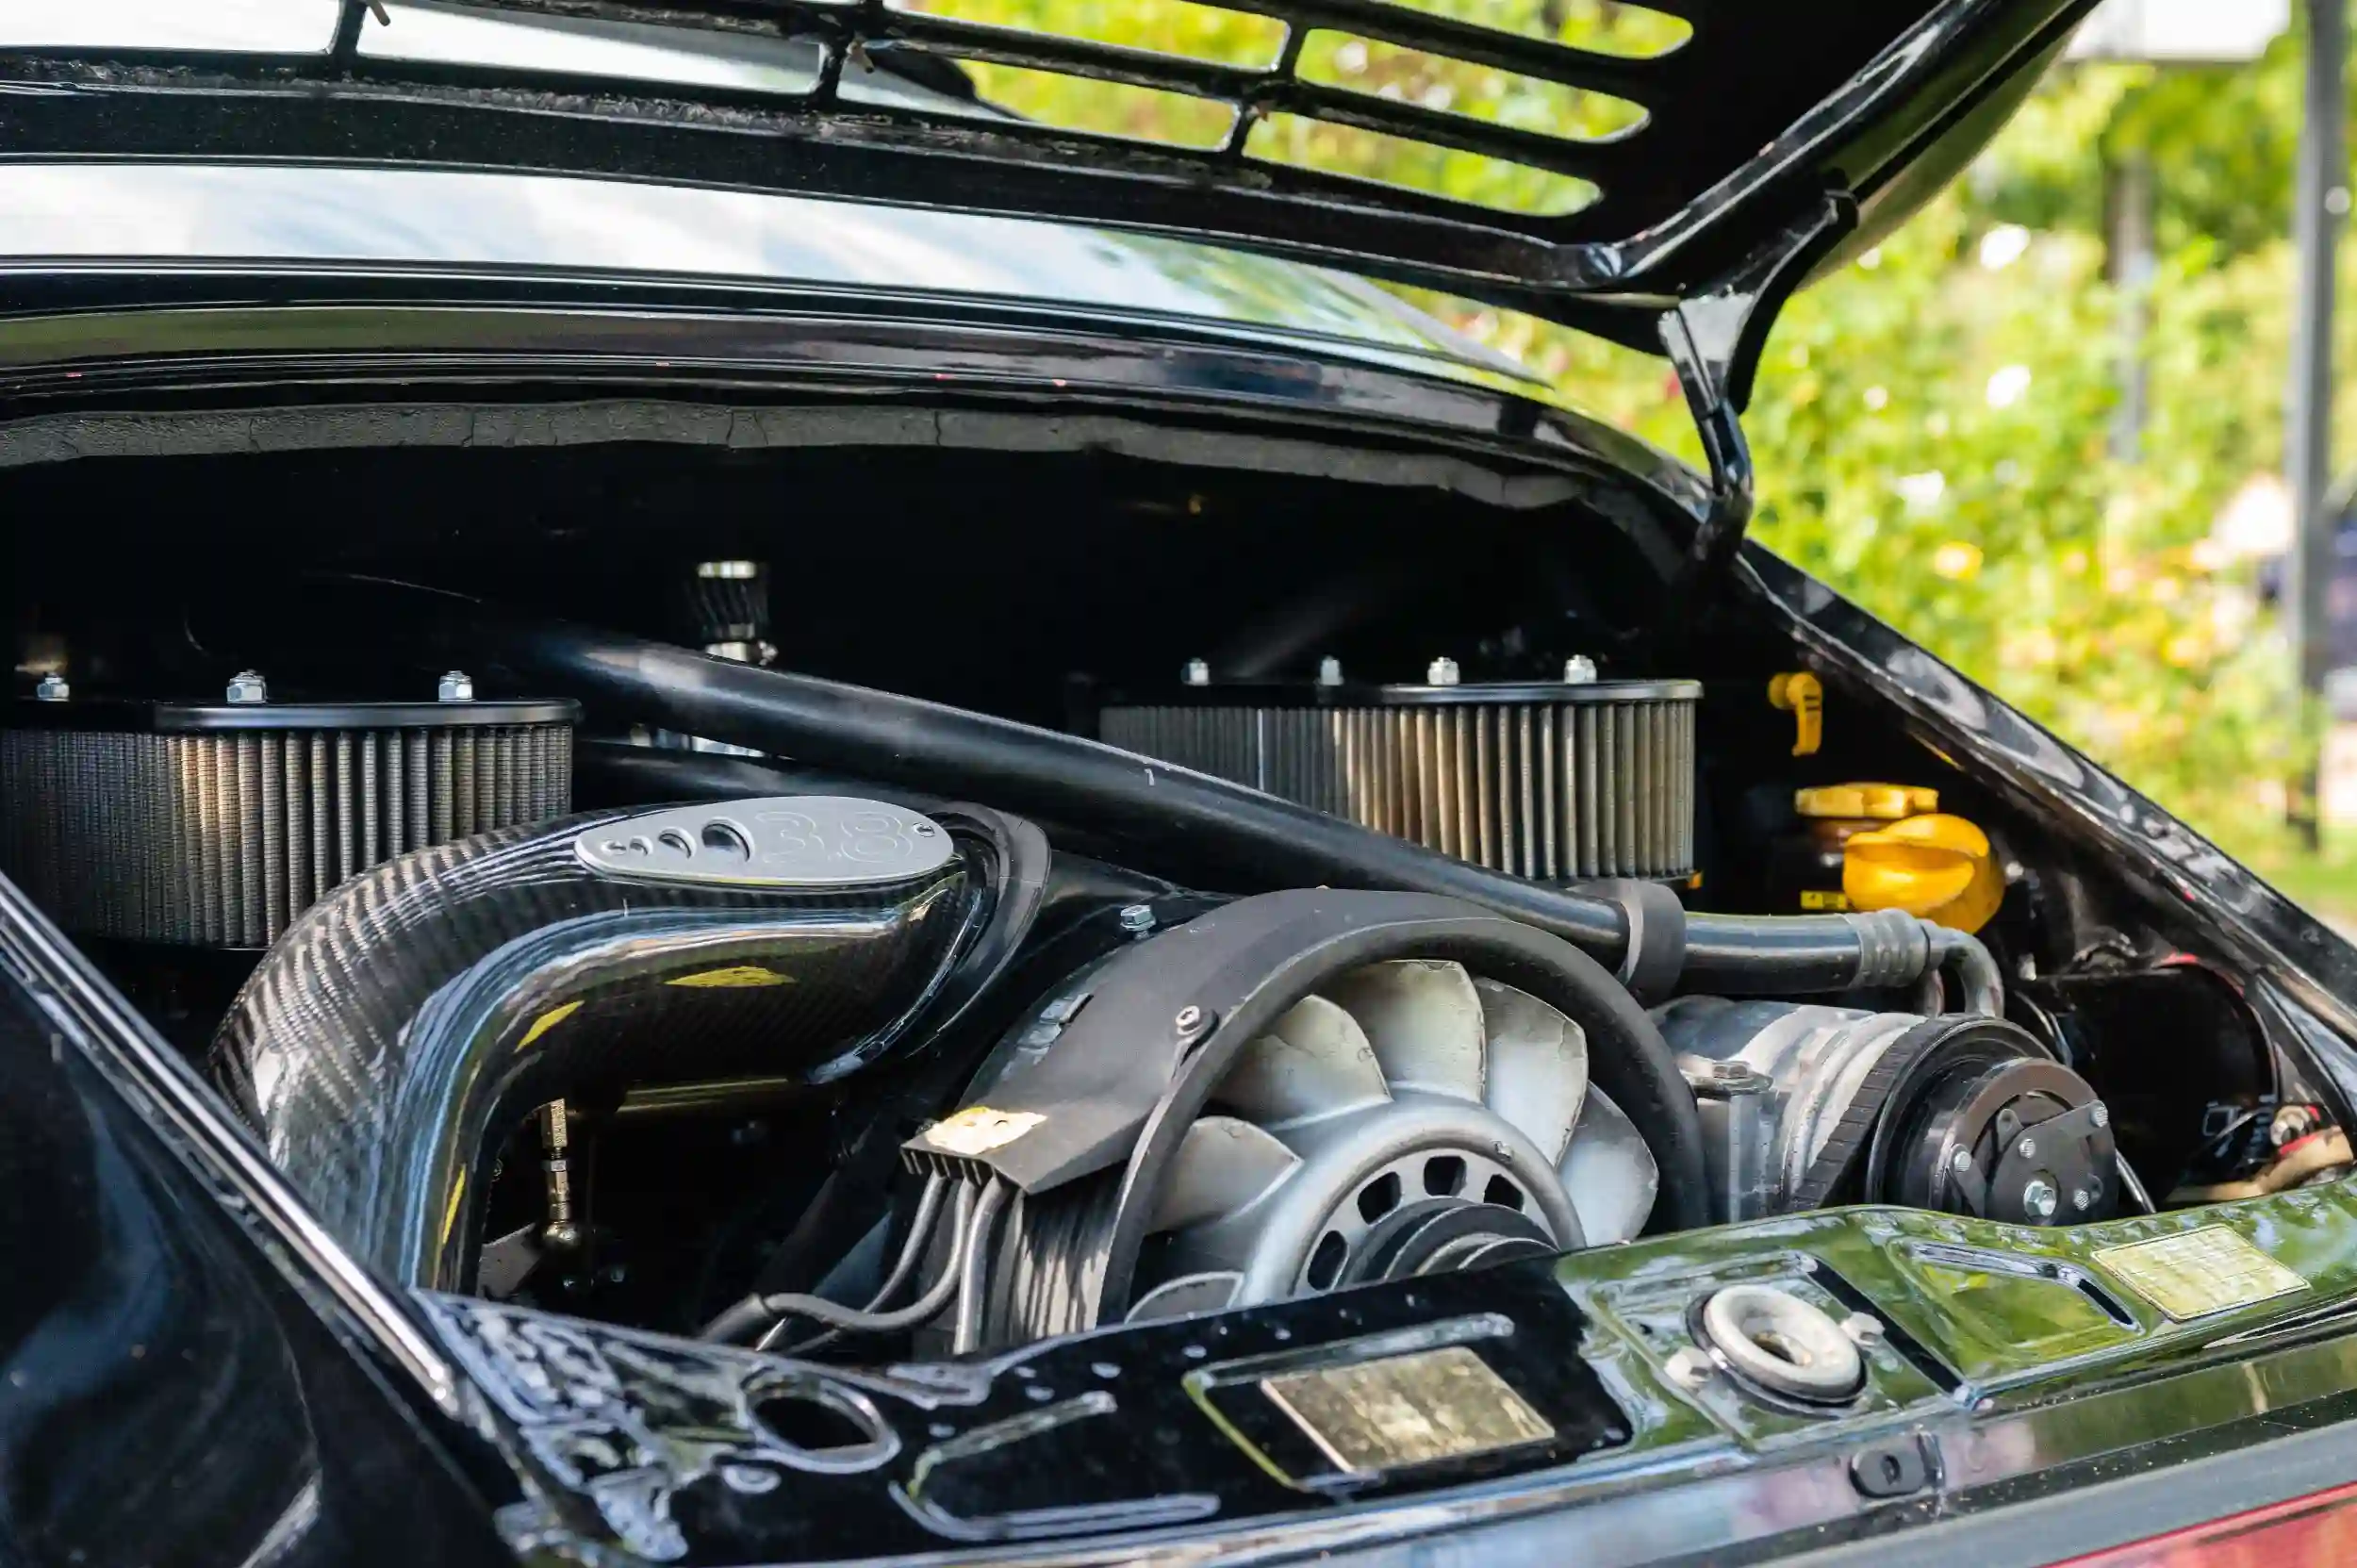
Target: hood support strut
{"x":1714,"y":342}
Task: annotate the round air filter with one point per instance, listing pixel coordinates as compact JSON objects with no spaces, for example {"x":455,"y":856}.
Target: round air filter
{"x":1557,"y":781}
{"x":215,"y":825}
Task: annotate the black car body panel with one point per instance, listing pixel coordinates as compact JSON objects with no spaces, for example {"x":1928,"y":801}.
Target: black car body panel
{"x":196,"y":1370}
{"x":180,"y":1378}
{"x":1761,"y":113}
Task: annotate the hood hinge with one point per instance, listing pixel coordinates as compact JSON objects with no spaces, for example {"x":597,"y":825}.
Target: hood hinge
{"x":1714,"y":342}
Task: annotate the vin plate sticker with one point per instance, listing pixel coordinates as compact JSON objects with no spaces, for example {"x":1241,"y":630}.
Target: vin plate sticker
{"x":1407,"y":1410}
{"x":2210,"y":1270}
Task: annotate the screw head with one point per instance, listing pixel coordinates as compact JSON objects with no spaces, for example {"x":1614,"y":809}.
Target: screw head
{"x":1441,"y":672}
{"x":1192,"y":1023}
{"x":247,"y":685}
{"x":2039,"y":1198}
{"x":1136,"y":917}
{"x":2028,"y":1147}
{"x":1961,"y":1161}
{"x":1689,"y":1368}
{"x":455,"y":685}
{"x":52,"y":689}
{"x":2100,"y":1114}
{"x":1198,"y":672}
{"x":1579,"y":670}
{"x":2079,"y":1199}
{"x":1329,"y":671}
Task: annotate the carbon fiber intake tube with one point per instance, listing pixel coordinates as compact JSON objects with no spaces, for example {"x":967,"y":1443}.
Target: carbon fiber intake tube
{"x":402,"y":1027}
{"x":1192,"y":821}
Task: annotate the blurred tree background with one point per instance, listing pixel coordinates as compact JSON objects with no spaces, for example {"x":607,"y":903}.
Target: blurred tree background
{"x":1935,"y":425}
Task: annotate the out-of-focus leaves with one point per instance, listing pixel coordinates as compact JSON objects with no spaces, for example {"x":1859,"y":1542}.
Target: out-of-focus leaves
{"x":1931,"y":426}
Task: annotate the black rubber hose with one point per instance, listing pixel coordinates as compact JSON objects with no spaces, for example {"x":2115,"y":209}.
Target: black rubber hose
{"x":906,"y":741}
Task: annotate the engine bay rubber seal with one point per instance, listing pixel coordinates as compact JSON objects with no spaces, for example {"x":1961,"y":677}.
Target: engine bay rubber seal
{"x":1656,"y":955}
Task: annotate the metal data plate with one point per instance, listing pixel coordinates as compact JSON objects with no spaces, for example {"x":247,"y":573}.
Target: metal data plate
{"x":1407,"y":1410}
{"x":817,"y":841}
{"x":2199,"y":1272}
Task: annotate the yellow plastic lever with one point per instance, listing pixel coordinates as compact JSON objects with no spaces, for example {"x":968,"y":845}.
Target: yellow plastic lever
{"x":1802,"y":695}
{"x":1937,"y":867}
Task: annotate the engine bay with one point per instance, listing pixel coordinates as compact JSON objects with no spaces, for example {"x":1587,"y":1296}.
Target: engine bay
{"x":885,"y":941}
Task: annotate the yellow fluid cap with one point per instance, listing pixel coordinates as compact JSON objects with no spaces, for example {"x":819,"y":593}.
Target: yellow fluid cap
{"x":1885,"y":803}
{"x":1802,"y":695}
{"x":1936,"y":866}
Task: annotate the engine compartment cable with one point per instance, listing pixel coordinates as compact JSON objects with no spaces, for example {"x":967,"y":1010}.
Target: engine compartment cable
{"x":912,"y":1253}
{"x":757,"y":1310}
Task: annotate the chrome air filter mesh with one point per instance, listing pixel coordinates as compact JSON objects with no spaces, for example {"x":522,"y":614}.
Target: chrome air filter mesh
{"x":1558,"y":783}
{"x":218,"y":825}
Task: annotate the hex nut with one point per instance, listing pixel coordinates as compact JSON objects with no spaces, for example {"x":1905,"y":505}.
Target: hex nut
{"x":247,"y":685}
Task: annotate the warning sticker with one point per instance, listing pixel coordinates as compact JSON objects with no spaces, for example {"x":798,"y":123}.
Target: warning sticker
{"x":2210,"y":1270}
{"x":977,"y":1130}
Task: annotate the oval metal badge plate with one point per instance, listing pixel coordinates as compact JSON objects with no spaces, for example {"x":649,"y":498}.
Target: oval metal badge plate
{"x":780,"y":841}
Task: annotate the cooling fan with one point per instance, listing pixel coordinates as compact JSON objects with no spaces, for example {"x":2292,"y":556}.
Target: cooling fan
{"x":1408,"y":1118}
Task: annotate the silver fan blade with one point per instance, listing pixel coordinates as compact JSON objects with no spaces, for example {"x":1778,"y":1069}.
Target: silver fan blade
{"x":1610,"y":1172}
{"x":1223,"y":1166}
{"x":1538,"y":1067}
{"x":1312,"y":1063}
{"x":1423,"y":1019}
{"x":1189,"y":1292}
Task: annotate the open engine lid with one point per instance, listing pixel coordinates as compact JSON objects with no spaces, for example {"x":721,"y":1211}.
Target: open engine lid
{"x":1730,"y":138}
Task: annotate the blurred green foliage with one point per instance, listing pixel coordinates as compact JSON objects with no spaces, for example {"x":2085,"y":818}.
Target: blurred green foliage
{"x":1932,"y":424}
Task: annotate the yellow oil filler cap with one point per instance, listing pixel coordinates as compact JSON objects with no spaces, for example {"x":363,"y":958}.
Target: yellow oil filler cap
{"x":1885,"y":802}
{"x":1934,"y":866}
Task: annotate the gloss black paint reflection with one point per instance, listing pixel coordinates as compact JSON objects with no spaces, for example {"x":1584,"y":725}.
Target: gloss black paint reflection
{"x":165,"y":1396}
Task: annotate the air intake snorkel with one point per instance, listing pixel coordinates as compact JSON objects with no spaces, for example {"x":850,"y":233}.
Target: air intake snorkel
{"x":404,"y":1027}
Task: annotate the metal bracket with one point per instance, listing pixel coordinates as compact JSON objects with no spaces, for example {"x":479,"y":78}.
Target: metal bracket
{"x":1714,"y":342}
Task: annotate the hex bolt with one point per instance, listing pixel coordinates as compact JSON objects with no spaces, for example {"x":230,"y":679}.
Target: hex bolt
{"x":2079,"y":1199}
{"x":1198,"y":672}
{"x":1192,"y":1023}
{"x":52,"y":689}
{"x":2028,"y":1147}
{"x":1441,"y":672}
{"x":1689,"y":1368}
{"x":1579,"y":670}
{"x":247,"y":685}
{"x":1137,"y":917}
{"x":2039,"y":1198}
{"x":455,"y":685}
{"x":1960,"y":1161}
{"x":1329,"y":671}
{"x":1863,"y":1329}
{"x":2100,"y":1114}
